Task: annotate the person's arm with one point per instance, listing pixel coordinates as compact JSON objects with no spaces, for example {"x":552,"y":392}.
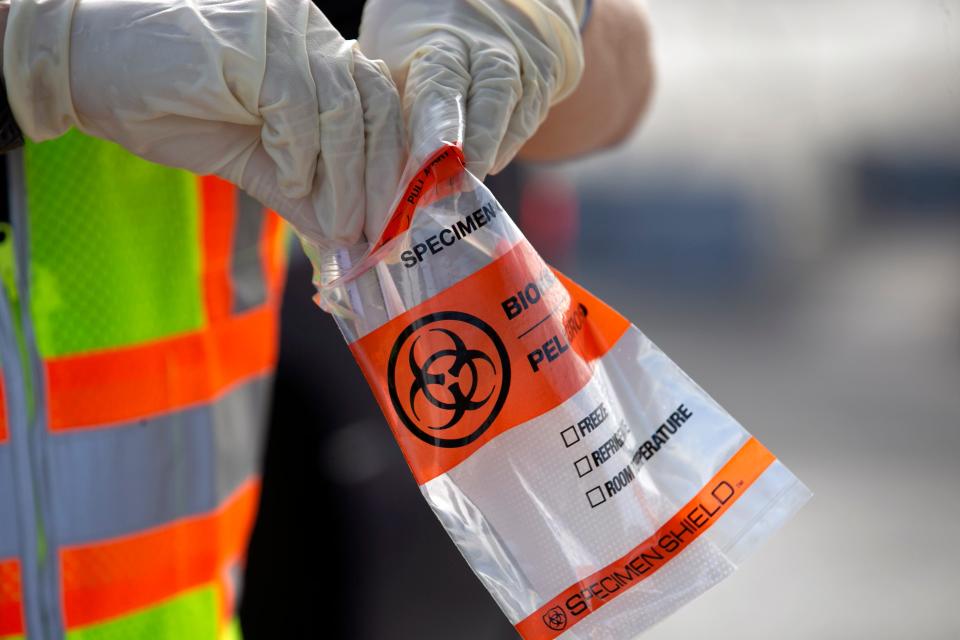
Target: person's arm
{"x":613,"y":93}
{"x":263,"y":93}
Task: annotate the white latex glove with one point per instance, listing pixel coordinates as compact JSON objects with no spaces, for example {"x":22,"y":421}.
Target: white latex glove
{"x":482,"y":73}
{"x":264,"y":93}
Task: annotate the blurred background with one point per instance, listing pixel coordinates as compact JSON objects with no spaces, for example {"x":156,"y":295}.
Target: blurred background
{"x":786,"y":226}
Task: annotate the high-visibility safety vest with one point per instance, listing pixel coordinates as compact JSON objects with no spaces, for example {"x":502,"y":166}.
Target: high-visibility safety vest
{"x":138,"y":335}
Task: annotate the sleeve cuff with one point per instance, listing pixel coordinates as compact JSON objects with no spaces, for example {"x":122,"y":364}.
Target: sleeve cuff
{"x":36,"y":66}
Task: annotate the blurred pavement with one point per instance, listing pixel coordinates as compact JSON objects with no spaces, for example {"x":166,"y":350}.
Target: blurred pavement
{"x":852,"y":376}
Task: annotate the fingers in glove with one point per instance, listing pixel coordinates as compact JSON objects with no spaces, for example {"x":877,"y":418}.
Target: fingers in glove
{"x":259,"y":179}
{"x":435,"y":92}
{"x":495,"y":92}
{"x":524,"y":122}
{"x":288,"y":100}
{"x":383,"y":136}
{"x":338,"y":197}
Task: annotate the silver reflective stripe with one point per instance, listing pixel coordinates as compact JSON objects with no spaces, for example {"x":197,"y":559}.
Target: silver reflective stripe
{"x":118,"y":480}
{"x":246,"y":262}
{"x":240,"y":420}
{"x":39,"y":570}
{"x":8,"y":505}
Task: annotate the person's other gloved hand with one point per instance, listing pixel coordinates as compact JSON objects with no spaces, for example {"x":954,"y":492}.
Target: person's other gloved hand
{"x":264,"y":93}
{"x":479,"y":72}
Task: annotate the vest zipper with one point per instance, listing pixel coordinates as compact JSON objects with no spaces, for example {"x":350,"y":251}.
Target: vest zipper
{"x":27,"y":421}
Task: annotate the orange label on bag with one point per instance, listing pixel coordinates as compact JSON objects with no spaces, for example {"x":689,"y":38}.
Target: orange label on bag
{"x":592,"y":592}
{"x":505,"y":345}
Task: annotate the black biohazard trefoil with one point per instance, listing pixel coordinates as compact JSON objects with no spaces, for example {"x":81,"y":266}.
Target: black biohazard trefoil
{"x":455,"y":367}
{"x":555,"y":618}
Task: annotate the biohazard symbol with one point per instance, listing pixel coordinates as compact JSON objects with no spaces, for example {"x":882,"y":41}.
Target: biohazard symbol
{"x":462,"y":401}
{"x":455,"y":379}
{"x":555,"y":618}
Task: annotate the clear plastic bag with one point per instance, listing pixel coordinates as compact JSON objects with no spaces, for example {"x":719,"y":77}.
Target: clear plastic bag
{"x":590,"y":484}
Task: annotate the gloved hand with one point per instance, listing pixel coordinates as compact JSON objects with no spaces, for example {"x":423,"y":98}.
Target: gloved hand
{"x":264,"y":93}
{"x":482,"y":73}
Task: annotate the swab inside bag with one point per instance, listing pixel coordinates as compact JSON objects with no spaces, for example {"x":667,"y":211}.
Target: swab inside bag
{"x":590,"y":484}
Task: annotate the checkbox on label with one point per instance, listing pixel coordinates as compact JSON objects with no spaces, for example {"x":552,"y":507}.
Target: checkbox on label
{"x":595,"y":497}
{"x":583,"y":466}
{"x":570,"y":436}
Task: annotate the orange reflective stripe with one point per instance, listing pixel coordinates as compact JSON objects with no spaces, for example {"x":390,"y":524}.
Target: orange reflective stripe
{"x":589,"y":594}
{"x":119,"y":385}
{"x":3,"y":413}
{"x":11,"y":599}
{"x":218,"y":213}
{"x":112,"y":578}
{"x":274,"y":256}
